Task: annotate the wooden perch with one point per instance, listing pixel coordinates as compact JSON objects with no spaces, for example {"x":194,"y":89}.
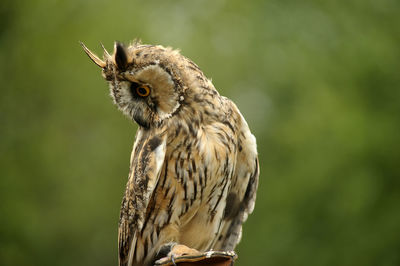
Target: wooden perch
{"x":215,"y":258}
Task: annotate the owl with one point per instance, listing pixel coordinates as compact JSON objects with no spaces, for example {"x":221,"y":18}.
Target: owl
{"x":194,"y":167}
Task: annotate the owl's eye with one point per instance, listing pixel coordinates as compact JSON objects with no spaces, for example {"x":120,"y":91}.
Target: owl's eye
{"x":140,"y":90}
{"x":143,"y":91}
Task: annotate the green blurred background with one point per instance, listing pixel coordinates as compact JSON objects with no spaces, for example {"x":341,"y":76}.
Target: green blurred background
{"x":318,"y":82}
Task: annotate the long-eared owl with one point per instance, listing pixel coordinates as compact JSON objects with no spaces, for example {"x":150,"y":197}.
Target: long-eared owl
{"x":194,"y":168}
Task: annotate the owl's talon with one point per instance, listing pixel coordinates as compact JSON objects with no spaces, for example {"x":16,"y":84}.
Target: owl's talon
{"x":164,"y":251}
{"x":173,"y":259}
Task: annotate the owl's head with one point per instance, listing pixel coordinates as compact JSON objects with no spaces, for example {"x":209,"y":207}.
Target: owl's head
{"x":144,"y":81}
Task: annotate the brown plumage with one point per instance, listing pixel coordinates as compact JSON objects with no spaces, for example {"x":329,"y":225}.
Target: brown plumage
{"x":193,"y":170}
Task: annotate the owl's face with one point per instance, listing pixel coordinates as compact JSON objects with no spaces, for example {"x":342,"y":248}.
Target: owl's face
{"x":142,"y":84}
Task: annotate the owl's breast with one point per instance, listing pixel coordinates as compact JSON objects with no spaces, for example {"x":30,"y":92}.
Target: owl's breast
{"x":193,"y":184}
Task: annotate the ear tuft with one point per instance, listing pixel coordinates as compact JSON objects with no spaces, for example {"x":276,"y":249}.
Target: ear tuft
{"x":120,"y":56}
{"x":93,"y":57}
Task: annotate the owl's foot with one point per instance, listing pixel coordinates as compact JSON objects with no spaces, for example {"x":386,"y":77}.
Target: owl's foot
{"x":172,"y":251}
{"x":182,"y":250}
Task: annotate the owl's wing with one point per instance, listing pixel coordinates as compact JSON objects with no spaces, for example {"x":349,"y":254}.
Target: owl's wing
{"x":242,"y":194}
{"x":146,"y":163}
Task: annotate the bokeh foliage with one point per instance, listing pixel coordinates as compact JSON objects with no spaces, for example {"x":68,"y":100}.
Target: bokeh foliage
{"x":318,"y":82}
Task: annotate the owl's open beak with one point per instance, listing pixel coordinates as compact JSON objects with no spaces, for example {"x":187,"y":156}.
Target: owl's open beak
{"x":94,"y":57}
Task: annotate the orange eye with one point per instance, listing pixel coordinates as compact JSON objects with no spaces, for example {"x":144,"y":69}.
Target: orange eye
{"x":143,"y":91}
